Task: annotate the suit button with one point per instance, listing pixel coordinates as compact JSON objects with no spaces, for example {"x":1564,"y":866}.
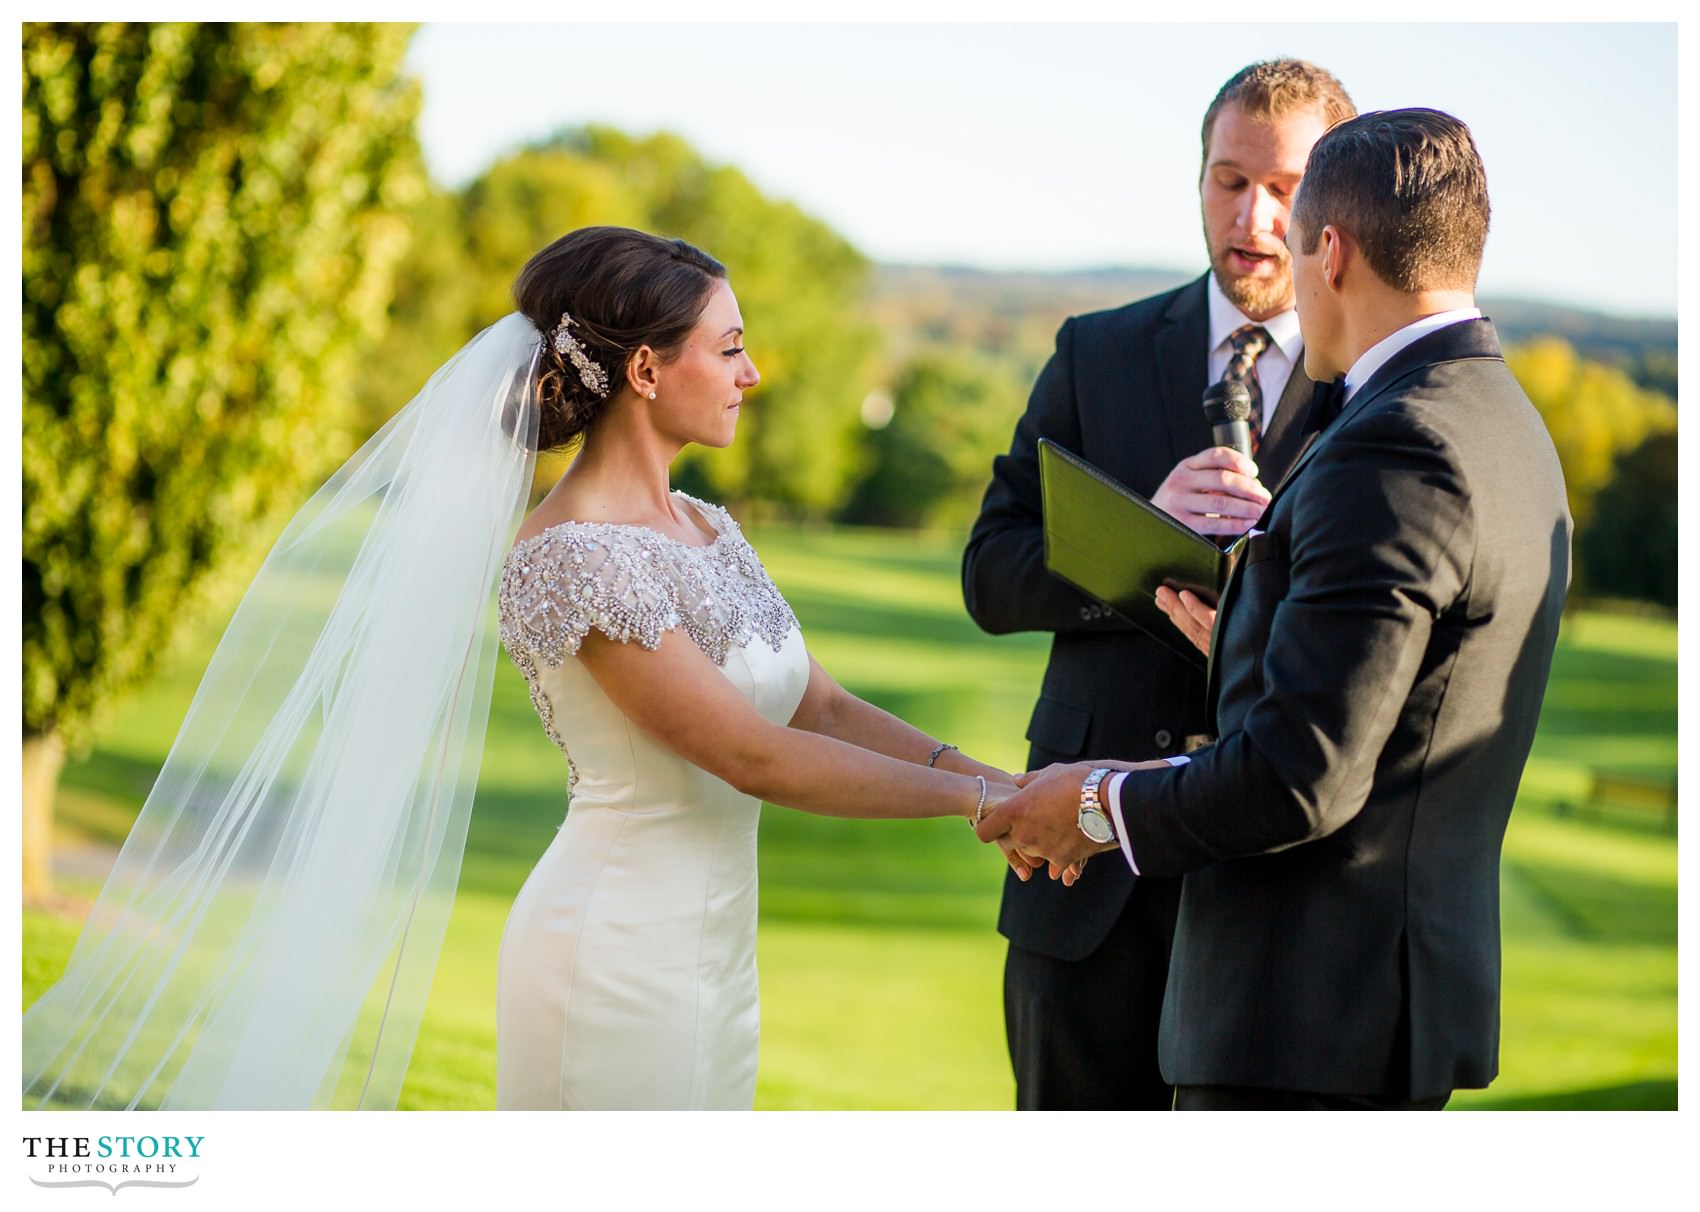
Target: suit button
{"x":1086,"y":612}
{"x":1164,"y":738}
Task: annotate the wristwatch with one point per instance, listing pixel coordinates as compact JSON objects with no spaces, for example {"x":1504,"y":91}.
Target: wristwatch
{"x":1094,"y":821}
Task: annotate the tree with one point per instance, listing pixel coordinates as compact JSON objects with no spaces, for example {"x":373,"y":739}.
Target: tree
{"x":212,"y":219}
{"x":800,"y":285}
{"x":927,"y":459}
{"x":1594,"y":413}
{"x":1629,"y":548}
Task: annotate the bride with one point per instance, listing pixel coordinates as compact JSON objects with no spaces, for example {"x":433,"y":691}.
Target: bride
{"x":269,"y":931}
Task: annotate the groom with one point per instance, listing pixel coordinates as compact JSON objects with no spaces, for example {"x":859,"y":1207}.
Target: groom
{"x":1378,"y":667}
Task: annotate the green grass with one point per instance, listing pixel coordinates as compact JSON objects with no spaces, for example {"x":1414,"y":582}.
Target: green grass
{"x":881,"y":967}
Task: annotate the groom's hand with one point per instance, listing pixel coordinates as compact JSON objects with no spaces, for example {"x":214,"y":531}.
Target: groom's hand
{"x":1042,"y":819}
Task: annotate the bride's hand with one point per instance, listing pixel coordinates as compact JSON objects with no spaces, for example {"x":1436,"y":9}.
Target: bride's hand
{"x":1024,"y":865}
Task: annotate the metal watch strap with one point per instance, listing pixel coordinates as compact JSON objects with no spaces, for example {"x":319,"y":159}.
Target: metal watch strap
{"x":1089,"y":806}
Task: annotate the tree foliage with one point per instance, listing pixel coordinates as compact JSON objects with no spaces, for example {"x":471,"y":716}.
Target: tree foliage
{"x":1594,"y":412}
{"x":212,"y":217}
{"x":1617,"y":444}
{"x":800,"y":285}
{"x":1629,"y":548}
{"x":951,"y":413}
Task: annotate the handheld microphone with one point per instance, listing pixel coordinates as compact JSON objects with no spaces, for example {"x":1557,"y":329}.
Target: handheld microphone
{"x":1227,"y":406}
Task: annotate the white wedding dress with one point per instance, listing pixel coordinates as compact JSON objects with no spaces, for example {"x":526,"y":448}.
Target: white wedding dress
{"x":628,"y":965}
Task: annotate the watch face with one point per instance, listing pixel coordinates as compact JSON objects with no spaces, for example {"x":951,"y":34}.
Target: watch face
{"x":1095,"y":825}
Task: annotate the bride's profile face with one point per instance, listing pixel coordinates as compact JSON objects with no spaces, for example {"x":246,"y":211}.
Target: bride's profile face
{"x":698,"y":394}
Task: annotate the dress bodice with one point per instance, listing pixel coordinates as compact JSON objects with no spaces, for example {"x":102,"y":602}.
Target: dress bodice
{"x":635,"y":584}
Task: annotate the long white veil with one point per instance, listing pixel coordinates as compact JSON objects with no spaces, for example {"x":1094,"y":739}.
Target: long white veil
{"x":268,"y":934}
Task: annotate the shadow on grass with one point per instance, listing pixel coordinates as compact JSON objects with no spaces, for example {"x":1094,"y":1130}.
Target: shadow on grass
{"x":1599,"y":908}
{"x":1659,"y":1095}
{"x":1595,"y":666}
{"x":820,"y":611}
{"x":100,"y":795}
{"x":1626,"y":694}
{"x":867,"y":549}
{"x":508,"y":833}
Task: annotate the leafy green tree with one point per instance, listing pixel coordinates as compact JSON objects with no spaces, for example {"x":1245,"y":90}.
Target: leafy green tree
{"x":927,"y":460}
{"x":212,"y":219}
{"x":1594,"y":412}
{"x":458,"y":275}
{"x":800,"y":285}
{"x":1629,"y":548}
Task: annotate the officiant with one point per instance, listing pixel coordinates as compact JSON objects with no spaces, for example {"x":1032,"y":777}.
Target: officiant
{"x":1087,"y":965}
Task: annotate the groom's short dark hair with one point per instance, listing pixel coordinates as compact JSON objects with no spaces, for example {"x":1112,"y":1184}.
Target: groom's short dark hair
{"x":1409,"y":187}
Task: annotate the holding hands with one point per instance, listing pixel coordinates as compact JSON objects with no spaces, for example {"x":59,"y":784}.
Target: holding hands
{"x":1000,"y":786}
{"x":1039,"y":824}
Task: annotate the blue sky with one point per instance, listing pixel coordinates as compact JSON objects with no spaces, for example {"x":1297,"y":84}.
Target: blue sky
{"x":1066,"y":145}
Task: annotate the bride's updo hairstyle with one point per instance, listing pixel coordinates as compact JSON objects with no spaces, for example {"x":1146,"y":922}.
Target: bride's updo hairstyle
{"x":623,"y":289}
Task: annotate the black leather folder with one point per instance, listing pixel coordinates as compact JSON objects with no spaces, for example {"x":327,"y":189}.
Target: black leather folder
{"x":1107,"y":540}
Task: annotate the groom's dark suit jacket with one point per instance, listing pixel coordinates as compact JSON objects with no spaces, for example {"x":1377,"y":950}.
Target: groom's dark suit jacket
{"x":1122,"y":391}
{"x":1380,"y":657}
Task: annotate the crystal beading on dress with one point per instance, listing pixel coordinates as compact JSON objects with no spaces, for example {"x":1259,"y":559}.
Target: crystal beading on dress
{"x":632,"y":583}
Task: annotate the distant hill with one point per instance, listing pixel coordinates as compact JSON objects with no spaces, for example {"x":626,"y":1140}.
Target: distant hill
{"x":1645,"y":348}
{"x":1016,"y":314}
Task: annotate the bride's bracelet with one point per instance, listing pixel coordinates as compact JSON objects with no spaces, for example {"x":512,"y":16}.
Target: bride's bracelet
{"x":980,"y":808}
{"x":939,"y":752}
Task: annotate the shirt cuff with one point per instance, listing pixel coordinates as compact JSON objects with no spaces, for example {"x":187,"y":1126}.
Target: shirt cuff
{"x":1113,"y":793}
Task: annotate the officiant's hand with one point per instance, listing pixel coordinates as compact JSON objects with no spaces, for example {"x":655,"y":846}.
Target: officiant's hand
{"x":1190,"y":614}
{"x":1215,"y":491}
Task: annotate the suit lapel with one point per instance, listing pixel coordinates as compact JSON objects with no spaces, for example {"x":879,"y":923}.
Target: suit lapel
{"x":1181,"y":356}
{"x":1212,"y":671}
{"x":1320,"y":411}
{"x":1286,"y":434}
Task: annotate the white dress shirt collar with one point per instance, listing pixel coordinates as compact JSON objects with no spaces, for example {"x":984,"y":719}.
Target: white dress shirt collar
{"x":1379,"y":354}
{"x":1225,"y":318}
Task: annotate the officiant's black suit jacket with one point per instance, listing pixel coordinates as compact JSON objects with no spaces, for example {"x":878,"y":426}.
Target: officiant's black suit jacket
{"x":1379,"y":661}
{"x":1123,"y":390}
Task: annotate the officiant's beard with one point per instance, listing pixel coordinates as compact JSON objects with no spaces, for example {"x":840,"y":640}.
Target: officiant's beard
{"x":1258,"y":297}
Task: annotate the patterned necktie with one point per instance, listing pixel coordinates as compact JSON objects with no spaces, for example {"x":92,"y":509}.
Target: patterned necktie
{"x":1248,"y":342}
